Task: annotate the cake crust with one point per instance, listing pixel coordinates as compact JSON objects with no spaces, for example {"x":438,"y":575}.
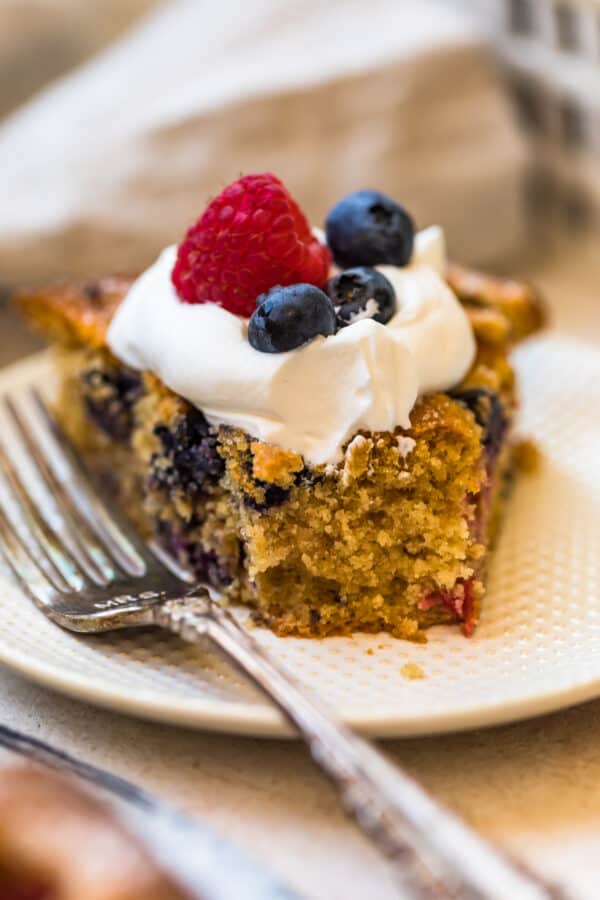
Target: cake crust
{"x":75,"y":313}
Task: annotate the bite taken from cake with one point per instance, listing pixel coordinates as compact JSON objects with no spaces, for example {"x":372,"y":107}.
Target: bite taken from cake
{"x":319,"y":423}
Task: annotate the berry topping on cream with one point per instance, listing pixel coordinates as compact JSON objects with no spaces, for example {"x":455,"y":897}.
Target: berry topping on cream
{"x":298,"y":368}
{"x":250,"y":238}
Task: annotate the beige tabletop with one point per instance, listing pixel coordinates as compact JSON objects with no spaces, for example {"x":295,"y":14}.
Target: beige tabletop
{"x":533,"y":787}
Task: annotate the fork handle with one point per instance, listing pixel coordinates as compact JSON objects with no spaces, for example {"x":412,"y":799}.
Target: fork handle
{"x":436,"y":855}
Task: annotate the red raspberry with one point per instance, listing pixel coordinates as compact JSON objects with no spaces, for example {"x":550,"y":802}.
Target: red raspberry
{"x":251,"y":237}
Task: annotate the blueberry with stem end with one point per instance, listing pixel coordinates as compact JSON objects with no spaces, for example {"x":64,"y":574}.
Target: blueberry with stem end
{"x":367,"y":228}
{"x":361,"y":293}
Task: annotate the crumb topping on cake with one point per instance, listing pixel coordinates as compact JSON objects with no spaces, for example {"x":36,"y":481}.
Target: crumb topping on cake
{"x":275,"y":465}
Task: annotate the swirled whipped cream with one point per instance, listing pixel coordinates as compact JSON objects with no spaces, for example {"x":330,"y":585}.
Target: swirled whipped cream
{"x":313,"y":399}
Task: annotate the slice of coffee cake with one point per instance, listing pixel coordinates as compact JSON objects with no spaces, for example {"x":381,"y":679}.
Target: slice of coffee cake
{"x":328,"y":445}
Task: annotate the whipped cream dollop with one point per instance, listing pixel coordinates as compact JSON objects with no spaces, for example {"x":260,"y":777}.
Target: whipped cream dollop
{"x":313,"y":399}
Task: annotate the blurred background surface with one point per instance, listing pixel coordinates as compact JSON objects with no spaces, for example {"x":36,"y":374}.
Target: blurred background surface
{"x":119,"y":119}
{"x":41,"y":39}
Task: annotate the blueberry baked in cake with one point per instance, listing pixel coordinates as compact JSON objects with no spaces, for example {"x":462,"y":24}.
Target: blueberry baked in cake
{"x":319,"y":423}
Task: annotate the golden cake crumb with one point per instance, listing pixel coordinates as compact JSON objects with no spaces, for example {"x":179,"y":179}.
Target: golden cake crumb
{"x":356,"y":459}
{"x":490,"y":326}
{"x":275,"y":465}
{"x":526,"y":456}
{"x":412,"y":671}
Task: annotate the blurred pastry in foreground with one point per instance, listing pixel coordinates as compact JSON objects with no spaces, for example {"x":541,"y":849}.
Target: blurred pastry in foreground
{"x":57,"y":842}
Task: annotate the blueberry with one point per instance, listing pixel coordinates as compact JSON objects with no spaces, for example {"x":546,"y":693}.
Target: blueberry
{"x":361,"y":293}
{"x":489,"y":413}
{"x":368,"y":229}
{"x":274,"y":496}
{"x":110,"y":396}
{"x":208,"y":566}
{"x":189,"y":458}
{"x":206,"y":563}
{"x":288,"y":317}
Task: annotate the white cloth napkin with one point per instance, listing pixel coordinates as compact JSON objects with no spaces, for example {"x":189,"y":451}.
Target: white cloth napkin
{"x":113,"y":162}
{"x":41,"y":39}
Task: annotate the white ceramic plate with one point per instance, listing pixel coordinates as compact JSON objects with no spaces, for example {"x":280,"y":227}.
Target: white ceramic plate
{"x":538,"y":647}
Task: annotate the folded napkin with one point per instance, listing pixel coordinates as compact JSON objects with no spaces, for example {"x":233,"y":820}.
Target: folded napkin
{"x":41,"y":39}
{"x":113,"y":162}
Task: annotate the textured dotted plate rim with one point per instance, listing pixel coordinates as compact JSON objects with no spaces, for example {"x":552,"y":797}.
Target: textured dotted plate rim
{"x":254,"y":720}
{"x":570,"y":683}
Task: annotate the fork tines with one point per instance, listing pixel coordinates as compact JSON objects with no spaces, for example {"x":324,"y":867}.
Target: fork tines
{"x":55,"y":532}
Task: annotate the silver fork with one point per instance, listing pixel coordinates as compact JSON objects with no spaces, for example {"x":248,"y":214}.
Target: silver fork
{"x":88,"y":571}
